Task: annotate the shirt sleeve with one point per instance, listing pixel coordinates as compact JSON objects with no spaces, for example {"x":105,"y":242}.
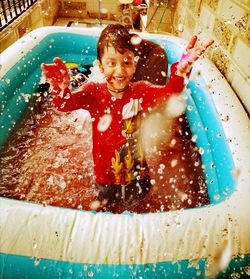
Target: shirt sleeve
{"x":155,"y":95}
{"x":82,"y":98}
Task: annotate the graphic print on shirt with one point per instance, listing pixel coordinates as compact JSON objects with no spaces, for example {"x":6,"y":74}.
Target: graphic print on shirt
{"x":129,"y":163}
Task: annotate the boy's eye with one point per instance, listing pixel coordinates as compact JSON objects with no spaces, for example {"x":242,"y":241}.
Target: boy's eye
{"x":127,"y":62}
{"x":111,"y":64}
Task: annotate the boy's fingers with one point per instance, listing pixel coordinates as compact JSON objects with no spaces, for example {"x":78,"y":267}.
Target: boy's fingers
{"x":59,"y":62}
{"x":56,"y":73}
{"x":208,"y":44}
{"x":191,"y":42}
{"x":45,"y":71}
{"x":43,"y":67}
{"x":202,"y":49}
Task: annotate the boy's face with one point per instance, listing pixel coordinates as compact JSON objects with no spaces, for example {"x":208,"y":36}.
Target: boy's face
{"x":118,"y":68}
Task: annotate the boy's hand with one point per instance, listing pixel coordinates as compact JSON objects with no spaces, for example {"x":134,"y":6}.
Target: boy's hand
{"x":191,"y":54}
{"x":56,"y":74}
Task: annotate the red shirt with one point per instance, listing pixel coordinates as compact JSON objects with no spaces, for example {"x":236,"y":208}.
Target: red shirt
{"x":118,"y":157}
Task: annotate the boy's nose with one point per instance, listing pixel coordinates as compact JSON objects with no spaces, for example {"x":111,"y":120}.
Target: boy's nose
{"x":119,"y":68}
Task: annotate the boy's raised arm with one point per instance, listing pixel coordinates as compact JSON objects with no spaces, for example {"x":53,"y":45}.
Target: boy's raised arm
{"x":191,"y":54}
{"x":57,"y":76}
{"x":179,"y":71}
{"x":182,"y":69}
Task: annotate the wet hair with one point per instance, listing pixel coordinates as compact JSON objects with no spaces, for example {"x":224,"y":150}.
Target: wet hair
{"x":114,"y":35}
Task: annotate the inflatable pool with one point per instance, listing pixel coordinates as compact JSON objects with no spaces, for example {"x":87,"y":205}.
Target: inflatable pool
{"x":38,"y":241}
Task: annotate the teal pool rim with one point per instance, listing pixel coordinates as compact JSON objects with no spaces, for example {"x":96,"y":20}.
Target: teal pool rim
{"x":32,"y":267}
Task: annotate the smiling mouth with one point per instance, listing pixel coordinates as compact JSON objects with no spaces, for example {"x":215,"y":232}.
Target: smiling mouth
{"x":119,"y":79}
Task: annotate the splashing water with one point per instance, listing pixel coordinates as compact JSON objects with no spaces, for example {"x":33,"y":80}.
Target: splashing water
{"x":135,"y":40}
{"x":48,"y":159}
{"x":96,"y":75}
{"x":175,"y":106}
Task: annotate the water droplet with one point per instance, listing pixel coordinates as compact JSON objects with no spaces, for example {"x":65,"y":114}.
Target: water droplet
{"x":183,"y":196}
{"x":104,"y":122}
{"x":163,"y":73}
{"x":226,"y":118}
{"x":212,"y":165}
{"x":180,"y":27}
{"x":217,"y":197}
{"x":26,"y":97}
{"x":160,"y":171}
{"x":194,"y":138}
{"x":152,"y":181}
{"x":201,"y":150}
{"x":135,"y":40}
{"x":173,"y":163}
{"x":90,"y":274}
{"x":173,"y":142}
{"x":94,"y":205}
{"x":162,"y":166}
{"x":44,"y":203}
{"x":36,"y":262}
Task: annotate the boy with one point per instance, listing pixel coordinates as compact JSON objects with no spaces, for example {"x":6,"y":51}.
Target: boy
{"x":116,"y":108}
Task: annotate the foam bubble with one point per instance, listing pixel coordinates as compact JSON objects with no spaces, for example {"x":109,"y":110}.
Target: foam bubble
{"x":180,"y":27}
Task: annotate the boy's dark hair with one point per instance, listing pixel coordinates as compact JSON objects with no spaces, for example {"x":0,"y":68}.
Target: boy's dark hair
{"x":114,"y":35}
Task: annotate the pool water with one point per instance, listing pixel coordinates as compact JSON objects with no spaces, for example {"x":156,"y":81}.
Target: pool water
{"x":48,"y":160}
